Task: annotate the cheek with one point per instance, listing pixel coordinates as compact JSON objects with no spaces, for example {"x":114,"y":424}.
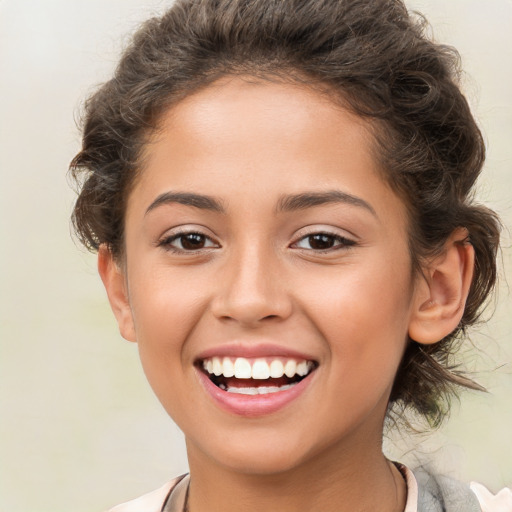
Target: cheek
{"x":165,"y":303}
{"x":165,"y":315}
{"x":363,"y":316}
{"x":167,"y":308}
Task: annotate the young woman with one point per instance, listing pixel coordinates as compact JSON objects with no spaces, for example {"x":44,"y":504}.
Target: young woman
{"x":280,"y":194}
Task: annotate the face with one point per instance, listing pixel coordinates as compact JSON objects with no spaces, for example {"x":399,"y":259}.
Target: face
{"x":267,"y":276}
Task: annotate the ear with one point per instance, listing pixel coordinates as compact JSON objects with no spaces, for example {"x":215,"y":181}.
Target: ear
{"x":115,"y":284}
{"x":441,"y":292}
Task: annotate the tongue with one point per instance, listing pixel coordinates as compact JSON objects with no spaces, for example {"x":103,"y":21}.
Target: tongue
{"x":254,"y":383}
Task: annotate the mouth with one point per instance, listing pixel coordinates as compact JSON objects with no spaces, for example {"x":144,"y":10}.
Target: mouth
{"x":256,"y":376}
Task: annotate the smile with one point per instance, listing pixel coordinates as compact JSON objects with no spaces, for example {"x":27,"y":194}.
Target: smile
{"x":256,"y":376}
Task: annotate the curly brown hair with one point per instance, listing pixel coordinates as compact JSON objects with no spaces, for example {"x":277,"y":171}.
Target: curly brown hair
{"x":376,"y":57}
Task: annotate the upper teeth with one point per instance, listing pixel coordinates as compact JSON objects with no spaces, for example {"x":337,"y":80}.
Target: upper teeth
{"x":243,"y":368}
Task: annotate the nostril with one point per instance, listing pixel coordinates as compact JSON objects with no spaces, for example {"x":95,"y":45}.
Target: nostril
{"x":247,"y":317}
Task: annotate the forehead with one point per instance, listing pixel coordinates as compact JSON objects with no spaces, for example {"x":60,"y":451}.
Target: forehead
{"x":261,"y":139}
{"x":233,"y":99}
{"x":280,"y":113}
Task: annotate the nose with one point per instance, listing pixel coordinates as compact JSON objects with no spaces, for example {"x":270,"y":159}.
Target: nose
{"x":252,"y":289}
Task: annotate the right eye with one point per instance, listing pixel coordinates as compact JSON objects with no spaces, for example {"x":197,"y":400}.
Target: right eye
{"x":187,"y":242}
{"x":324,"y":242}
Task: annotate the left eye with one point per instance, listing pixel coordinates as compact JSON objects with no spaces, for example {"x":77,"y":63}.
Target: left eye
{"x":187,"y":242}
{"x":323,"y":242}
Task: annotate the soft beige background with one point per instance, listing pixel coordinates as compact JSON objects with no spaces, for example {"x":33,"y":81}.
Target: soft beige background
{"x":80,"y":430}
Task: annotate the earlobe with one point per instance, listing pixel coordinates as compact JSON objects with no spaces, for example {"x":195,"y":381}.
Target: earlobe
{"x":441,"y":292}
{"x":115,"y":284}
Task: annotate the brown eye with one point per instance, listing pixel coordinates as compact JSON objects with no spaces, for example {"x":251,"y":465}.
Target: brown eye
{"x":321,"y":241}
{"x":192,"y":241}
{"x":187,"y":242}
{"x":324,"y":242}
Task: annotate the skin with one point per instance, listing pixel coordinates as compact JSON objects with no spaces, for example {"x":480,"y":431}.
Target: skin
{"x":258,"y":279}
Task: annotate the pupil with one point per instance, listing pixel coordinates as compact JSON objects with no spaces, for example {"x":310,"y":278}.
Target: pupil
{"x":321,"y":241}
{"x":192,"y":241}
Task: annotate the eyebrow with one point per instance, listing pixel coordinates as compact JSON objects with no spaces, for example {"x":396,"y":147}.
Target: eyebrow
{"x":188,"y":199}
{"x":310,"y":199}
{"x":286,"y":203}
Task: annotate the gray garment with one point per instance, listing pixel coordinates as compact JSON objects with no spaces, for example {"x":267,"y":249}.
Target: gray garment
{"x":438,"y":493}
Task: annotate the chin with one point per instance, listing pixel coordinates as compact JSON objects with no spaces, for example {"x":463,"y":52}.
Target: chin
{"x":264,"y":453}
{"x":260,"y":462}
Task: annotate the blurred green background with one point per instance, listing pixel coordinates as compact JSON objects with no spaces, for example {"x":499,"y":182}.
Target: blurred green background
{"x":79,"y":427}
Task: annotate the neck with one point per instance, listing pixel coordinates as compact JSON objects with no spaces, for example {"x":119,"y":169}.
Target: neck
{"x":339,"y":480}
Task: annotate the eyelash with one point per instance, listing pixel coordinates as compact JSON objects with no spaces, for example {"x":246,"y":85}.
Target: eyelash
{"x":342,"y":242}
{"x":166,"y":242}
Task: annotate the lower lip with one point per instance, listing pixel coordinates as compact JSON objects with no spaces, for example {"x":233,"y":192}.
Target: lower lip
{"x":253,"y":405}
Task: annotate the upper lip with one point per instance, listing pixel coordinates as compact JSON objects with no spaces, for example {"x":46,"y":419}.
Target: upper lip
{"x":253,"y":350}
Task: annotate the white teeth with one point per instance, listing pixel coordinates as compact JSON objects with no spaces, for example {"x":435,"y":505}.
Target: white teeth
{"x":217,"y":366}
{"x":243,"y":368}
{"x":276,"y":369}
{"x":243,"y":391}
{"x":259,"y":369}
{"x":262,"y":390}
{"x":302,"y":368}
{"x":290,"y":368}
{"x":228,"y":368}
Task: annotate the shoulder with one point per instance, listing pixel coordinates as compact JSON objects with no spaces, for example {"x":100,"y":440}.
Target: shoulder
{"x":439,"y":492}
{"x":151,"y":502}
{"x":501,"y":502}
